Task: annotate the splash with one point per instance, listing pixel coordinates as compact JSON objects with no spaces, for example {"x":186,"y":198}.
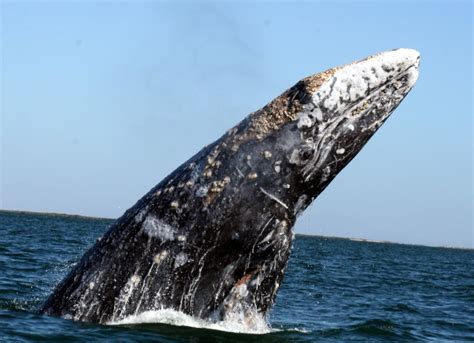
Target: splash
{"x":258,"y":326}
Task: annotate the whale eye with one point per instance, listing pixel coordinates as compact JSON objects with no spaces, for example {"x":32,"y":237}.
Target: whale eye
{"x":306,"y":153}
{"x":301,"y":155}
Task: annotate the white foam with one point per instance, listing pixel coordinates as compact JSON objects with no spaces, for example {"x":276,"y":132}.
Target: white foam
{"x":172,"y":317}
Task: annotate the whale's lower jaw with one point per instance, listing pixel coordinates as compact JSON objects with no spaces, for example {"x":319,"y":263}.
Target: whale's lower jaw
{"x":213,"y":238}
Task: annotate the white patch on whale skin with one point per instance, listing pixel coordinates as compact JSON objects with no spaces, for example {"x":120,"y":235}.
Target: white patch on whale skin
{"x":256,"y":281}
{"x":158,"y":258}
{"x":154,"y":227}
{"x":241,"y":291}
{"x":141,"y":215}
{"x":135,"y":279}
{"x":295,"y":157}
{"x":304,"y":121}
{"x":180,"y":259}
{"x":351,"y":82}
{"x":202,"y":192}
{"x":318,"y":114}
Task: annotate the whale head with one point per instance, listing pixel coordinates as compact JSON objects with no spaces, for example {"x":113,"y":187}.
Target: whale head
{"x":339,"y":110}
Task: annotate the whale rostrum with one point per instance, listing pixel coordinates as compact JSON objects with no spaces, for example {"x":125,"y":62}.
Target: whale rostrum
{"x":213,"y":238}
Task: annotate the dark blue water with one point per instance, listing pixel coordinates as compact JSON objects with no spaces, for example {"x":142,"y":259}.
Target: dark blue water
{"x":334,"y":289}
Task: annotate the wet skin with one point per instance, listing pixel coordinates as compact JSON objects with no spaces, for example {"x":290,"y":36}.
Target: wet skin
{"x":214,"y":237}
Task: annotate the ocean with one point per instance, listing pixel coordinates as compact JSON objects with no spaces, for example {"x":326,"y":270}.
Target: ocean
{"x":334,"y":290}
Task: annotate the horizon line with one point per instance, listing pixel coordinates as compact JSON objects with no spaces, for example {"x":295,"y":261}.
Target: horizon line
{"x":353,"y":239}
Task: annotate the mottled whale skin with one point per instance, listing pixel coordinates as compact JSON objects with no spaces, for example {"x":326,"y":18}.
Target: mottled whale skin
{"x":213,"y":238}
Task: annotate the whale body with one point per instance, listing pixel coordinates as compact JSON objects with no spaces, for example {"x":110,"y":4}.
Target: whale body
{"x":213,"y":238}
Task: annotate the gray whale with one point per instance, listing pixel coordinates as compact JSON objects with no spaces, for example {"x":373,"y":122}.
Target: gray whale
{"x":213,"y":238}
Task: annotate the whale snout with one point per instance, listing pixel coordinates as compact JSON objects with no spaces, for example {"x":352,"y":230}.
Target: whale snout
{"x":360,"y":81}
{"x":396,"y":63}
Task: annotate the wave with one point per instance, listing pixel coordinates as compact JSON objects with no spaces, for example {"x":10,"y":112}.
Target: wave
{"x":258,"y":325}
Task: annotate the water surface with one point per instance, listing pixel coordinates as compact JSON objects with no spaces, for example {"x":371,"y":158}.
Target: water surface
{"x":334,"y":290}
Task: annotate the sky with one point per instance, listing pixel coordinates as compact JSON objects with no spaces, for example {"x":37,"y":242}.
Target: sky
{"x":101,"y":100}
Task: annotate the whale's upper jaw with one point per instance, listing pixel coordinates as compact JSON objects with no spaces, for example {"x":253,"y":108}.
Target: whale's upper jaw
{"x":348,"y":107}
{"x":357,"y":81}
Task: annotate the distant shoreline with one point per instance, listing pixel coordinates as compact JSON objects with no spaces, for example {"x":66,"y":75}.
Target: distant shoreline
{"x":54,"y":214}
{"x":363,"y":240}
{"x":353,"y":239}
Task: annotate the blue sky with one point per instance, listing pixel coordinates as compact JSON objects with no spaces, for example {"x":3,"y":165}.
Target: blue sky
{"x":100,"y":101}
